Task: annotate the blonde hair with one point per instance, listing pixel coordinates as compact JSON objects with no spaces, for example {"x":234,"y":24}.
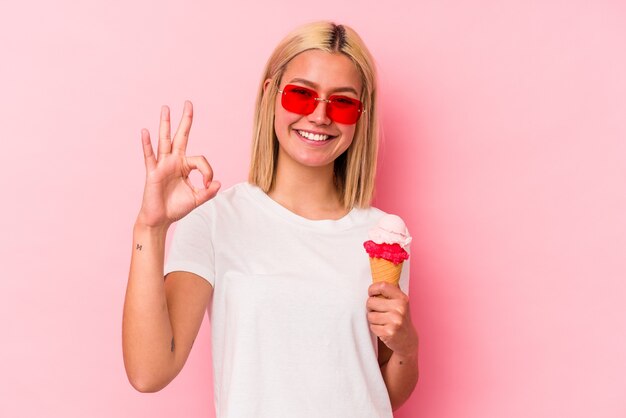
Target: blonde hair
{"x":355,"y":169}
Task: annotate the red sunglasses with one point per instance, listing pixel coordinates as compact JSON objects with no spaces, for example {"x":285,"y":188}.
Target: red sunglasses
{"x":303,"y":101}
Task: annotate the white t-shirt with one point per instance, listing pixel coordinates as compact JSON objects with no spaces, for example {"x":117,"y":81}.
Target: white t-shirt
{"x":290,"y":336}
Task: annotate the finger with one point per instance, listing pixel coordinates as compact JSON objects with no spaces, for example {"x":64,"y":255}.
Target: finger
{"x":377,"y":318}
{"x":204,"y":195}
{"x":378,"y":304}
{"x":148,"y":153}
{"x":182,"y":133}
{"x":165,"y":141}
{"x":200,"y":163}
{"x":380,"y":331}
{"x":385,"y":289}
{"x":211,"y":187}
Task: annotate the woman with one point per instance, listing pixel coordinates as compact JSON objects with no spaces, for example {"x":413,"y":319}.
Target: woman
{"x":278,"y":261}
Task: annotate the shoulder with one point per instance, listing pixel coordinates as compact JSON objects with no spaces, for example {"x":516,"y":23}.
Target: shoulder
{"x":369,"y":215}
{"x":226,"y":201}
{"x":233,"y":193}
{"x":231,"y":196}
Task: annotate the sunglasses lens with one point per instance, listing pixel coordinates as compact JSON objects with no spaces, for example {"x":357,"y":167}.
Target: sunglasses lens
{"x":301,"y":100}
{"x":298,"y":99}
{"x":344,"y":109}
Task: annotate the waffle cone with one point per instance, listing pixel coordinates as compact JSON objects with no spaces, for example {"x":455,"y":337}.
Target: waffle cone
{"x":385,"y":271}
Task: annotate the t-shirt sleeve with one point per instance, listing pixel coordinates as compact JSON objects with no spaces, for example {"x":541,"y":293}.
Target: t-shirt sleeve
{"x":192,"y":248}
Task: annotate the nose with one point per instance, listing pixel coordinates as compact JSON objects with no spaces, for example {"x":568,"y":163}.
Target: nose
{"x":319,"y":115}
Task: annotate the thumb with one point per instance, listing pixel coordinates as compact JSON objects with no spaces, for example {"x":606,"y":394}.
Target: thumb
{"x":209,"y":192}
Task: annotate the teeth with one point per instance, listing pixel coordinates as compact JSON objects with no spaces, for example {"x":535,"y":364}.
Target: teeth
{"x":313,"y":137}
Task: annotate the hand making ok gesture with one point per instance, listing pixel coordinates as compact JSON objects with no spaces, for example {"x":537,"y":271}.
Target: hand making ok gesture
{"x":169,"y":194}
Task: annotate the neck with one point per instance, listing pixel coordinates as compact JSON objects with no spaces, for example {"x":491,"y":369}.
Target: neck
{"x":307,"y":191}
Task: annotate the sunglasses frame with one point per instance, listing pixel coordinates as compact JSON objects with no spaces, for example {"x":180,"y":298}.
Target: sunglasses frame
{"x":331,"y":100}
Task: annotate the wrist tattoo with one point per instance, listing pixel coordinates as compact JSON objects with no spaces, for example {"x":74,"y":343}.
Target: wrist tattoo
{"x":139,"y":247}
{"x":173,"y":345}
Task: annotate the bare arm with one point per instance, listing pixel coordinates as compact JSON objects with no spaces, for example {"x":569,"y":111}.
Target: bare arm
{"x":400,"y":374}
{"x":390,"y":319}
{"x":162,"y":316}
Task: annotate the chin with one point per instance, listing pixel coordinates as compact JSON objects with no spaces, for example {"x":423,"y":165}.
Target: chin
{"x":314,"y":162}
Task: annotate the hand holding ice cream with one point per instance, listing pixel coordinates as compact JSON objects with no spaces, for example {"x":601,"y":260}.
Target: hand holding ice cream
{"x":388,"y":307}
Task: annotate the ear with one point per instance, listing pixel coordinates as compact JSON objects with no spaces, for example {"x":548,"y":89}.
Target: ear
{"x":266,"y":84}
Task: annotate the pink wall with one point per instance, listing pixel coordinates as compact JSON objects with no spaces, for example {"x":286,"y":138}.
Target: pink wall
{"x":505,"y":151}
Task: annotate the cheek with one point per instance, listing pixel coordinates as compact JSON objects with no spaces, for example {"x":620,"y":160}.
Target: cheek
{"x":282,"y":120}
{"x":281,"y":127}
{"x":348,"y":134}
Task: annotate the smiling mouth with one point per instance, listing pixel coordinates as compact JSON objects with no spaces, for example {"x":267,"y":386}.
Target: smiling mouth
{"x":314,"y":137}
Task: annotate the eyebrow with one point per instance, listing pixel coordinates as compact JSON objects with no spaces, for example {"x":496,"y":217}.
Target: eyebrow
{"x":315,"y":86}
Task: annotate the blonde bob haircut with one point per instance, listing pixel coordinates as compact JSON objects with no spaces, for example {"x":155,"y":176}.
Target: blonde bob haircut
{"x":355,"y":169}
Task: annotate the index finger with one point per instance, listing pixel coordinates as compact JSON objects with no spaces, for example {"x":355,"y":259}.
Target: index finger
{"x":182,"y":133}
{"x":165,"y":142}
{"x":385,"y":289}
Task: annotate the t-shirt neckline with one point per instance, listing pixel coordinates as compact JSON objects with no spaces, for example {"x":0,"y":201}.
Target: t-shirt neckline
{"x":345,"y":222}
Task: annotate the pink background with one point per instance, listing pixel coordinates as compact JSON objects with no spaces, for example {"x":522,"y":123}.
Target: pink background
{"x":505,"y":151}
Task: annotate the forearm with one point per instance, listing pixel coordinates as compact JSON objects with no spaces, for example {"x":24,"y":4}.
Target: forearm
{"x":400,"y":374}
{"x":146,"y":328}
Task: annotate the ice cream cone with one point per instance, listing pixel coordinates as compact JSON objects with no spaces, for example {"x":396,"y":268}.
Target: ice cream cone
{"x":385,"y":271}
{"x":385,"y":248}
